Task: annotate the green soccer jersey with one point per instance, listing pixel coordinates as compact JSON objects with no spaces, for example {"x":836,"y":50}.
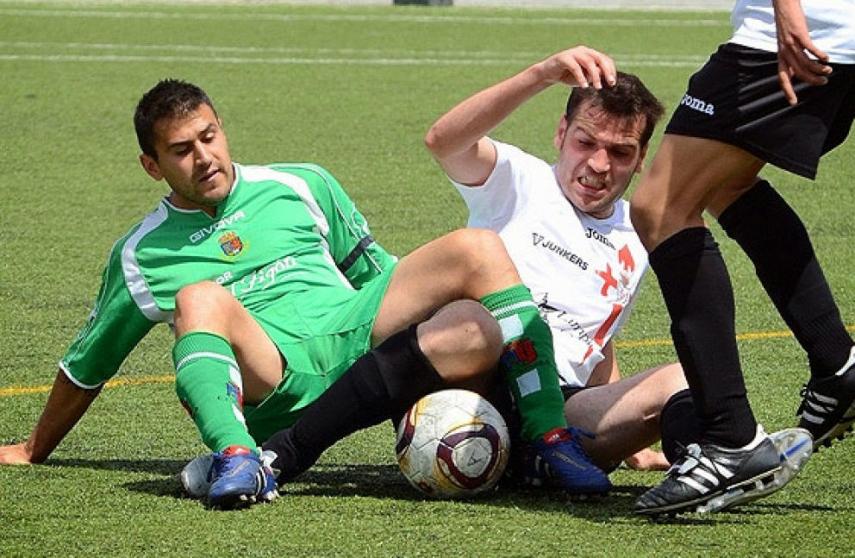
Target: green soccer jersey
{"x":284,"y":230}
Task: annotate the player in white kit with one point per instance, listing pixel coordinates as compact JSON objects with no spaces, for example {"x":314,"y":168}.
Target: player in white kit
{"x":568,"y":231}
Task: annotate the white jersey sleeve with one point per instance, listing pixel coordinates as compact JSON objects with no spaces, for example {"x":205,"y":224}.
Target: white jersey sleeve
{"x":495,"y":203}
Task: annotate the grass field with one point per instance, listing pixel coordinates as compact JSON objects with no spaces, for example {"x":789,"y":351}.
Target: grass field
{"x":353,"y":89}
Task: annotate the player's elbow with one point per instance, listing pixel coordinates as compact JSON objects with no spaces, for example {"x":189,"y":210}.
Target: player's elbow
{"x":435,"y":142}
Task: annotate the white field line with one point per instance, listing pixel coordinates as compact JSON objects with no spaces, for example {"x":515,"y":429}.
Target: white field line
{"x":172,"y":48}
{"x":361,"y":18}
{"x":328,"y":56}
{"x":304,"y":61}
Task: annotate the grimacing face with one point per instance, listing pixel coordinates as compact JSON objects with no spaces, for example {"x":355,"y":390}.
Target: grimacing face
{"x":597,"y":155}
{"x":193,"y":157}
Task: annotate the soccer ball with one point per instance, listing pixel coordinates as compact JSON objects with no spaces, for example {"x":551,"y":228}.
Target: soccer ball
{"x":453,"y":444}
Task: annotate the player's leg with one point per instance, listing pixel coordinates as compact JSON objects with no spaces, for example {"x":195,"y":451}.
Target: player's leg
{"x":684,"y":178}
{"x":458,"y":345}
{"x":789,"y":271}
{"x":624,"y":416}
{"x":474,"y":264}
{"x":667,"y":211}
{"x":223,"y":358}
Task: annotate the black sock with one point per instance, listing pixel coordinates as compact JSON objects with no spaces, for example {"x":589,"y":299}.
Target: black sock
{"x":679,"y":425}
{"x":699,"y":298}
{"x":773,"y":236}
{"x":381,"y":384}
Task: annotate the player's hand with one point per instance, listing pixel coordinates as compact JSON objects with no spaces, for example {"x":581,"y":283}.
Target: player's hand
{"x":647,"y":460}
{"x":16,"y":454}
{"x":579,"y":66}
{"x":794,"y":47}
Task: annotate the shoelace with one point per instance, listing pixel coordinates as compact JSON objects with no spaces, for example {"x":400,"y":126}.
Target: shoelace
{"x":683,"y":465}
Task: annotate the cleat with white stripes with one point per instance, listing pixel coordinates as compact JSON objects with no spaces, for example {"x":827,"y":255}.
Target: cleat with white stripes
{"x":707,"y":471}
{"x":828,"y":405}
{"x":795,"y":446}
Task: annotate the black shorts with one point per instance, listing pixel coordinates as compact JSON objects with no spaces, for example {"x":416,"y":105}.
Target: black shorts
{"x":736,"y":99}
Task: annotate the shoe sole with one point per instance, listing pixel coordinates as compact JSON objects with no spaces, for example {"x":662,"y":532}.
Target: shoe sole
{"x":243,"y":501}
{"x":766,"y":477}
{"x":795,"y":446}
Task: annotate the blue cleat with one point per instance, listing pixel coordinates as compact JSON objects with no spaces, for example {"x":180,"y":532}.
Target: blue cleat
{"x":558,"y":459}
{"x":240,"y":479}
{"x":197,"y":475}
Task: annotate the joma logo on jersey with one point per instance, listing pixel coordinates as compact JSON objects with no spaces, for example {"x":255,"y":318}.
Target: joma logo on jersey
{"x":231,"y":244}
{"x":697,"y":104}
{"x":204,"y":232}
{"x":597,"y":235}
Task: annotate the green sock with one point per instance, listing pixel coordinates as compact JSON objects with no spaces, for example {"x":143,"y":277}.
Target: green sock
{"x":528,"y":361}
{"x":208,"y":382}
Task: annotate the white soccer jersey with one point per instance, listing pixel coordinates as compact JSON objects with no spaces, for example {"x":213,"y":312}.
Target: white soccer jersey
{"x":831,"y":24}
{"x":583,"y":272}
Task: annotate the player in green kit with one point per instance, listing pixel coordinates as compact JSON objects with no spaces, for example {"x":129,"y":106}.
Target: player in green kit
{"x":280,"y":298}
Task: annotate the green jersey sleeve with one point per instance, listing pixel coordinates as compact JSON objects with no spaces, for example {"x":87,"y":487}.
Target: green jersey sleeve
{"x":114,"y":327}
{"x":358,"y":256}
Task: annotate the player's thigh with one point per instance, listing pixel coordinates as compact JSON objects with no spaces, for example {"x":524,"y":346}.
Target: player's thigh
{"x":260,"y":362}
{"x":623,"y":416}
{"x":208,"y":307}
{"x":465,"y":264}
{"x":462,"y":341}
{"x":685,"y":176}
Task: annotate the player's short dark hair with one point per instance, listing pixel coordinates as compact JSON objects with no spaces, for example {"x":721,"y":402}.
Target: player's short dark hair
{"x":168,"y":99}
{"x":627,"y":98}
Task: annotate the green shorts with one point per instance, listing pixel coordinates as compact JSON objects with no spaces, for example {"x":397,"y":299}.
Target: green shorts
{"x":320,"y":339}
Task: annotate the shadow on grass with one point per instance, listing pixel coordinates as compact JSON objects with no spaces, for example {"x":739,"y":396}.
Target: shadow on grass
{"x":386,"y":482}
{"x":156,"y":466}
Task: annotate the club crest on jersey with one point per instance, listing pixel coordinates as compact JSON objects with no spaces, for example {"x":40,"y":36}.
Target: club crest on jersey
{"x":231,"y":244}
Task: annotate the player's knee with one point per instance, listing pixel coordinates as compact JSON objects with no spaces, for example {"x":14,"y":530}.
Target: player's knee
{"x":462,"y":341}
{"x":201,"y":301}
{"x":479,"y":251}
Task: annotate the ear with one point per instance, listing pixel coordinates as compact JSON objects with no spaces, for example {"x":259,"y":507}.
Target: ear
{"x":150,"y":166}
{"x":639,"y":167}
{"x":560,"y":132}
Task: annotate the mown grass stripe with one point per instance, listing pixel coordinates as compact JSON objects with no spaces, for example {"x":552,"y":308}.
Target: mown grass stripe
{"x":370,"y":18}
{"x":124,"y":58}
{"x":169,"y":378}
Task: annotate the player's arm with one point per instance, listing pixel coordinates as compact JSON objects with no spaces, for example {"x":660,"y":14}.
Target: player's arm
{"x":794,"y":45}
{"x":607,"y":371}
{"x":65,"y":405}
{"x":113,"y":329}
{"x":458,"y":139}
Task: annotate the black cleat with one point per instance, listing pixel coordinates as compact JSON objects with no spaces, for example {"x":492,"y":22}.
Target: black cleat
{"x":710,"y":478}
{"x":828,"y":405}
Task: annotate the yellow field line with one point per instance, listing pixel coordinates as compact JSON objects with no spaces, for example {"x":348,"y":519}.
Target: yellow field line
{"x":750,"y":336}
{"x":169,"y":378}
{"x":135,"y":381}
